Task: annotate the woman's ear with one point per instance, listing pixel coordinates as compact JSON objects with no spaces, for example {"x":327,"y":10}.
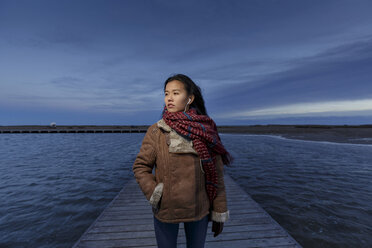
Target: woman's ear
{"x":192,"y":97}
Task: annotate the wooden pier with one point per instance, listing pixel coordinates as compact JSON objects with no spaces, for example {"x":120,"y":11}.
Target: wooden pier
{"x":127,"y":221}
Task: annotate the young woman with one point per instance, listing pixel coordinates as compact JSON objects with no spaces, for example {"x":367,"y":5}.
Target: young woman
{"x":188,"y":156}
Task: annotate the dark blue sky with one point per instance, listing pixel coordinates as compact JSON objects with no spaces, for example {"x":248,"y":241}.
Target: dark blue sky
{"x":257,"y":62}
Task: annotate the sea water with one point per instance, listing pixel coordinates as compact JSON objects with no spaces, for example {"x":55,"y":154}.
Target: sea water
{"x":53,"y":186}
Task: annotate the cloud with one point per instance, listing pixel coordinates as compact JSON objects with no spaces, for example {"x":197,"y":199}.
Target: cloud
{"x":337,"y":73}
{"x":328,"y":108}
{"x":251,"y":56}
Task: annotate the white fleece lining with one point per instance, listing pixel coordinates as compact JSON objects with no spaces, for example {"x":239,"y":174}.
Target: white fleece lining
{"x":220,"y":217}
{"x":155,"y":197}
{"x":178,"y":144}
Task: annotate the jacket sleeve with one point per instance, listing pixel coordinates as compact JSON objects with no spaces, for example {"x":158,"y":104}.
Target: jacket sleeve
{"x":144,"y":163}
{"x":220,"y":213}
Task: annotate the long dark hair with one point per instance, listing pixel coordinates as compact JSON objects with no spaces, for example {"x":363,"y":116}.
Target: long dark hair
{"x":198,"y":104}
{"x":191,"y":89}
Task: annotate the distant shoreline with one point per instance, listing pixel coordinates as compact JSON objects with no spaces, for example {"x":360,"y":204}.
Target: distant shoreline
{"x":356,"y":134}
{"x":361,"y":134}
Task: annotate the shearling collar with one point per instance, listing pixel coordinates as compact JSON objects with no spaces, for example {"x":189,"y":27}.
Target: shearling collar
{"x":161,"y":123}
{"x":178,"y":144}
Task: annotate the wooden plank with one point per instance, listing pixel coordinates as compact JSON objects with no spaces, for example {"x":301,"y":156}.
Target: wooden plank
{"x":128,"y":222}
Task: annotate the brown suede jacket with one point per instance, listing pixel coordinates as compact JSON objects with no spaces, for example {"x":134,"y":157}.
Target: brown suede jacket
{"x":177,"y":191}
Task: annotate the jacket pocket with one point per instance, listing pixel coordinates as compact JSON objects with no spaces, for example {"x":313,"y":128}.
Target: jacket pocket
{"x":156,"y":196}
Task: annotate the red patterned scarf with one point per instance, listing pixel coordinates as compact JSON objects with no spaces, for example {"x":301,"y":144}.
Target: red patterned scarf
{"x":202,"y":130}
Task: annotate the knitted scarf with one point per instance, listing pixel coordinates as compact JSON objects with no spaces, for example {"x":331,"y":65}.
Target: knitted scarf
{"x":206,"y":141}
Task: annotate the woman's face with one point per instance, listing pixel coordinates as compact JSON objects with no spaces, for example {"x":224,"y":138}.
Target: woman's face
{"x":176,"y":96}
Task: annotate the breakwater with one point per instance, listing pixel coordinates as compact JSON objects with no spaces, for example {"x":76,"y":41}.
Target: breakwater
{"x":356,"y":134}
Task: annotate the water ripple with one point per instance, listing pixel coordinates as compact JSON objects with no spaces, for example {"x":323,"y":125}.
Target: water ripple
{"x":320,"y":192}
{"x":52,"y":187}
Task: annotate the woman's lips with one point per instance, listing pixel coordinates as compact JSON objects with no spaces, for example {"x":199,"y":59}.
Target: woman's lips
{"x":170,"y":106}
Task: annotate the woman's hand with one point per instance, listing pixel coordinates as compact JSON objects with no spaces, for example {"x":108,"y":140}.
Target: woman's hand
{"x":217,"y":228}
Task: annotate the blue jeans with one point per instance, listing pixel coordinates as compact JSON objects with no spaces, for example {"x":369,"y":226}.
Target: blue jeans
{"x":195,"y":231}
